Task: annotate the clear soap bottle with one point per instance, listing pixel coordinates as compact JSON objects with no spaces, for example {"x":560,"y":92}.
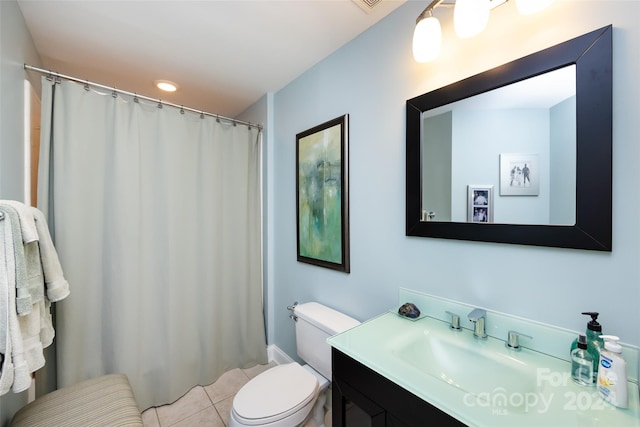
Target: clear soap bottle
{"x":582,"y":363}
{"x":595,"y":344}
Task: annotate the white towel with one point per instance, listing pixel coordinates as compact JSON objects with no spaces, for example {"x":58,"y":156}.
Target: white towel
{"x":21,"y":374}
{"x":27,"y":221}
{"x":23,"y":296}
{"x":57,"y":287}
{"x":30,"y":288}
{"x":26,"y":327}
{"x":7,"y":278}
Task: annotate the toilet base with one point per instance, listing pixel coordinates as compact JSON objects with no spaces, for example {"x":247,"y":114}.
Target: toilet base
{"x":317,"y":413}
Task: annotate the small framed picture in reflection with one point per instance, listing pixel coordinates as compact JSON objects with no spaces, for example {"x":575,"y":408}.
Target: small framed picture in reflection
{"x":519,"y":175}
{"x":480,"y":203}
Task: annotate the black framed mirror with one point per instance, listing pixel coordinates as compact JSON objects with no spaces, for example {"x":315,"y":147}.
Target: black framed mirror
{"x":589,"y":226}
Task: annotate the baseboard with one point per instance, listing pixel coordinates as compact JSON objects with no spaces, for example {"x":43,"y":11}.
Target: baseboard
{"x":275,"y":354}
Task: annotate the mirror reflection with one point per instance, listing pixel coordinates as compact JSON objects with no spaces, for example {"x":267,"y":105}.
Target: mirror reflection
{"x":515,"y":146}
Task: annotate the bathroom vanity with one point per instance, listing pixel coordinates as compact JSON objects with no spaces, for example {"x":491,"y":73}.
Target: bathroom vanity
{"x":394,"y":371}
{"x":362,"y":397}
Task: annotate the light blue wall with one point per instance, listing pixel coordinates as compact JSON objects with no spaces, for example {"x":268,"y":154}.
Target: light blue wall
{"x":16,"y":49}
{"x":480,"y":137}
{"x":370,"y":79}
{"x":436,"y":166}
{"x":563,"y":165}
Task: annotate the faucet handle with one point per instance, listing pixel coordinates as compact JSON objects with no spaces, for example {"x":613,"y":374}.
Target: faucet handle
{"x":455,"y":321}
{"x":513,"y":339}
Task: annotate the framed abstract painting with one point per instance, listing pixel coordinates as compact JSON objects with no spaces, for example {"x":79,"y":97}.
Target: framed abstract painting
{"x":322,"y":195}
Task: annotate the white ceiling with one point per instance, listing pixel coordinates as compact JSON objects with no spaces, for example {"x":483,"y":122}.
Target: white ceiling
{"x":224,"y":54}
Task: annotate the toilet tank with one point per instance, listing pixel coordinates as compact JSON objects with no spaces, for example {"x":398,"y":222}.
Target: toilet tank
{"x":315,"y":324}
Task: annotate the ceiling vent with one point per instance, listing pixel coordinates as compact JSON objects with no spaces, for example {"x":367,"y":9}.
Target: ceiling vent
{"x":367,"y":5}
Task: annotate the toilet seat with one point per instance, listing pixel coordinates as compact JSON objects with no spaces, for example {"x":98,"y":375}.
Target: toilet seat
{"x":275,"y":394}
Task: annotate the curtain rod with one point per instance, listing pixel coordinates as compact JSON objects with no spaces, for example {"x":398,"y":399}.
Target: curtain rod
{"x":138,"y":96}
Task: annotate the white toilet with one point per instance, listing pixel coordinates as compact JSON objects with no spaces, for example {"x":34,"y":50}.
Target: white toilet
{"x":288,"y":395}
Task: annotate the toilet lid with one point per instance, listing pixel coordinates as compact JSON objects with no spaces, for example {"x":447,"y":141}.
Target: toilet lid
{"x":275,"y":394}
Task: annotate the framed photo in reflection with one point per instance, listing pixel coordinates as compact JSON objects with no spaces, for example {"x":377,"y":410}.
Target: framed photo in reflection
{"x":480,"y":203}
{"x":519,"y":175}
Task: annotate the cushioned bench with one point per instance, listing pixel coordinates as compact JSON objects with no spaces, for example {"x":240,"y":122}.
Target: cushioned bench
{"x":103,"y":401}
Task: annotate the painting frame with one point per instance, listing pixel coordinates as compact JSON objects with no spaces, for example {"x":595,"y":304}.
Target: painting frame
{"x":515,"y":171}
{"x":480,"y":204}
{"x":322,"y":195}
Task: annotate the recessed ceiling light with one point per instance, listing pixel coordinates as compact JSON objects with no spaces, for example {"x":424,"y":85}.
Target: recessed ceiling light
{"x":166,"y":85}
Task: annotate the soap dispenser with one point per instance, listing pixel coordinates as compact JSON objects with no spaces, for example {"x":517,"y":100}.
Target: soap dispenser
{"x":582,"y":363}
{"x":612,"y":376}
{"x":595,"y":344}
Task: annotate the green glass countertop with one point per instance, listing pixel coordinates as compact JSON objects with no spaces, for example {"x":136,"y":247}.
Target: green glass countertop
{"x":480,"y":382}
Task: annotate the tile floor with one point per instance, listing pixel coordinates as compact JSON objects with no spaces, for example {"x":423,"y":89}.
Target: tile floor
{"x":204,"y":406}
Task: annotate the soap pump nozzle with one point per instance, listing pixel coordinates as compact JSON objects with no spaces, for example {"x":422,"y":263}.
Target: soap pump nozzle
{"x":611,"y":343}
{"x":582,"y":341}
{"x":593,"y":323}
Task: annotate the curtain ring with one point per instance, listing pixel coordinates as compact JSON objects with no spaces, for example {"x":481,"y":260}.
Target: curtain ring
{"x":50,"y":76}
{"x":114,"y":93}
{"x":182,"y":109}
{"x":202,"y":115}
{"x":160,"y":103}
{"x":86,"y":86}
{"x":218,"y":119}
{"x":135,"y":98}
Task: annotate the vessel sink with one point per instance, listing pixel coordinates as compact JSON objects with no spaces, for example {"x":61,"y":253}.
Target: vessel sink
{"x":484,"y":368}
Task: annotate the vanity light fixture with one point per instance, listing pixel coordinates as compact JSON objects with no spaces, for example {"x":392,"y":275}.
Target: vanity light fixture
{"x":470,"y":17}
{"x":166,"y":85}
{"x":427,"y":37}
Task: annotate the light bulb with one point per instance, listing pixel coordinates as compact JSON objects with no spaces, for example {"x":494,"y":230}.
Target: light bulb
{"x":427,"y":39}
{"x":470,"y":17}
{"x":166,"y":85}
{"x":528,"y":7}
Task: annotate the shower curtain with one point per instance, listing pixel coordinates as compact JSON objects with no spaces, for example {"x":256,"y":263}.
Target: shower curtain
{"x":156,"y":217}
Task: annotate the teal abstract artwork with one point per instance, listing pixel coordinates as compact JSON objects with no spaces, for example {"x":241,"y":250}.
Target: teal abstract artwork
{"x":320,"y":199}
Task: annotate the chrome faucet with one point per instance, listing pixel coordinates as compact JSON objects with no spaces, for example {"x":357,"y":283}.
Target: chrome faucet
{"x":455,"y":322}
{"x":512,"y":339}
{"x":478,"y":316}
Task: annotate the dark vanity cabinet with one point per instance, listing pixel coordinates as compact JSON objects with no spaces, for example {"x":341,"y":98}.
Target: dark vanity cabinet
{"x":362,"y":398}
